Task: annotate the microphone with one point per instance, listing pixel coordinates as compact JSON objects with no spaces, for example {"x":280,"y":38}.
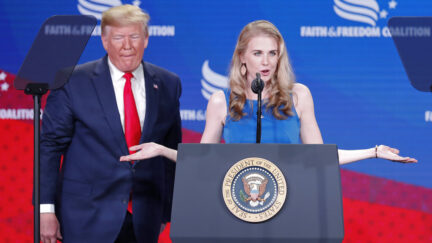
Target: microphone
{"x":257,"y":85}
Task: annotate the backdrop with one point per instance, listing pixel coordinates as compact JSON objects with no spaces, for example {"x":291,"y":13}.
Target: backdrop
{"x":340,"y":49}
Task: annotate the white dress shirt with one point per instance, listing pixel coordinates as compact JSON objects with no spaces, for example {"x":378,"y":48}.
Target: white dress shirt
{"x":138,"y":90}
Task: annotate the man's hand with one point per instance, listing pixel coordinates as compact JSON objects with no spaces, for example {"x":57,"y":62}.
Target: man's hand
{"x":49,"y":228}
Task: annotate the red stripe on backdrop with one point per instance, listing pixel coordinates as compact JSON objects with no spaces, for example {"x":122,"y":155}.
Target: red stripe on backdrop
{"x":383,"y":191}
{"x":372,"y":222}
{"x":190,"y":136}
{"x":16,"y":181}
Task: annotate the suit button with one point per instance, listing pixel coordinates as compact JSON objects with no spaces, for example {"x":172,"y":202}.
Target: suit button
{"x":133,"y":170}
{"x":124,"y":201}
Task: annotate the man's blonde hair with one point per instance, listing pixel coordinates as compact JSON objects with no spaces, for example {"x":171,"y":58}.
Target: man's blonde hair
{"x":124,"y":15}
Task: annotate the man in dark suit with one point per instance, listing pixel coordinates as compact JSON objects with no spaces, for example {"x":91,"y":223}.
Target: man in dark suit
{"x":107,"y":106}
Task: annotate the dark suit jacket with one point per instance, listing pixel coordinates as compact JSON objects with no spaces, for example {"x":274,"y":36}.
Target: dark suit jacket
{"x":91,"y":188}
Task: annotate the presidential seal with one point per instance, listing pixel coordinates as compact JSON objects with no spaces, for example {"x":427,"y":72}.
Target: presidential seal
{"x":254,"y":189}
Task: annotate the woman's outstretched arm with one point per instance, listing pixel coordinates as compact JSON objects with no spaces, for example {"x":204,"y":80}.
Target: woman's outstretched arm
{"x":310,"y":133}
{"x":381,"y":151}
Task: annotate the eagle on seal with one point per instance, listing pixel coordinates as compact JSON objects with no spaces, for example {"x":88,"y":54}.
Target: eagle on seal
{"x":254,"y":186}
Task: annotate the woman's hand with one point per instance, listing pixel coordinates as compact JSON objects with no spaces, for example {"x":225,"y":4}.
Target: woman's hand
{"x":148,"y":151}
{"x":386,"y":152}
{"x":143,"y":151}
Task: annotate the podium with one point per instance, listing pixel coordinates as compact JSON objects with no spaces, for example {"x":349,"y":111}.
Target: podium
{"x":311,"y":212}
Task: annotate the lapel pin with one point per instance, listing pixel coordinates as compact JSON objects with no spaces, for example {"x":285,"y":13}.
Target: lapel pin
{"x":155,"y":86}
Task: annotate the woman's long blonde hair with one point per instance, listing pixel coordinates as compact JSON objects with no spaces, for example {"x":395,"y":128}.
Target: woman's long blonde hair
{"x":281,"y":84}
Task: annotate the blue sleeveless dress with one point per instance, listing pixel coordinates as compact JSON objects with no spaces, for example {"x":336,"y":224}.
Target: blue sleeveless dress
{"x":272,"y":130}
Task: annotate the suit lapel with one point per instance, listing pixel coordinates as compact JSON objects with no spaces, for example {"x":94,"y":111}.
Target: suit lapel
{"x":152,"y":102}
{"x":105,"y":92}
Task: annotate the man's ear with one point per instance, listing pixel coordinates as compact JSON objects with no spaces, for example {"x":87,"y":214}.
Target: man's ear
{"x":104,"y":39}
{"x":146,"y":40}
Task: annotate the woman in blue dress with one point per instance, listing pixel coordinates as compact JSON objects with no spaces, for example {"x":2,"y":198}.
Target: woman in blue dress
{"x":288,"y":109}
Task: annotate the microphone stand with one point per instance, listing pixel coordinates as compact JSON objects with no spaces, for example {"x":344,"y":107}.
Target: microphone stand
{"x":258,"y":133}
{"x":257,"y":87}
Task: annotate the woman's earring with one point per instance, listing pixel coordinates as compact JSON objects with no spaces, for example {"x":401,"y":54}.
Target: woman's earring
{"x":243,"y":69}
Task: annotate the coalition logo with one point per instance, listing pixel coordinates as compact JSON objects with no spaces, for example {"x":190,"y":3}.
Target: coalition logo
{"x":254,"y":190}
{"x":363,"y":11}
{"x":365,"y":18}
{"x":97,"y":7}
{"x":211,"y":81}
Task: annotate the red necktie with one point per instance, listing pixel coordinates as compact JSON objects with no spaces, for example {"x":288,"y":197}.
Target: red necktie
{"x":132,"y":122}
